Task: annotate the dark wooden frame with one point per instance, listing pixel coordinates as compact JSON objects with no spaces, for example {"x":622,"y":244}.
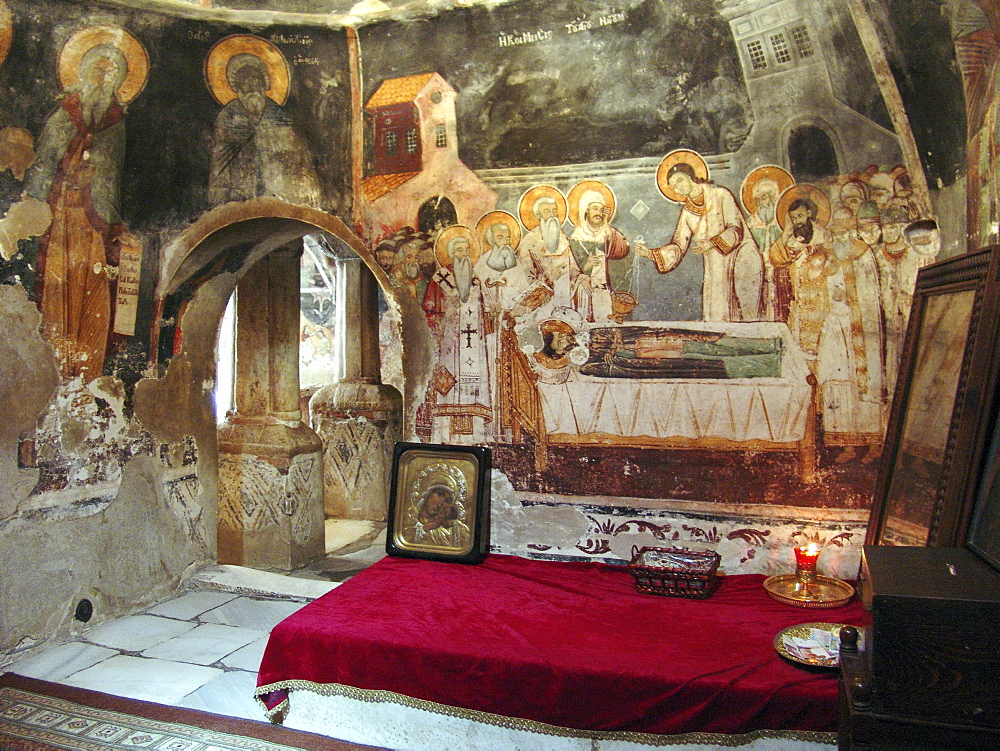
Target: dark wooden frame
{"x":981,"y":532}
{"x":462,"y":470}
{"x":983,"y":536}
{"x":950,"y":494}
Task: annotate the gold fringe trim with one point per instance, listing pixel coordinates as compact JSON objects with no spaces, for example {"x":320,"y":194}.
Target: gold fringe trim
{"x":379,"y":696}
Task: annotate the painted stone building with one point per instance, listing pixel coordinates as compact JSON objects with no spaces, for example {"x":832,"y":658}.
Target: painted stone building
{"x":415,"y":140}
{"x":798,"y":115}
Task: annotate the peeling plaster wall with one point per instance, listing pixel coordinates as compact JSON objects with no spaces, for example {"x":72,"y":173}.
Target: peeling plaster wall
{"x":28,"y":382}
{"x":110,"y":477}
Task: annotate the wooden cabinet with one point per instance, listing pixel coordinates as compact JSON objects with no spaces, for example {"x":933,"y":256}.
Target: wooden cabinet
{"x":929,"y":677}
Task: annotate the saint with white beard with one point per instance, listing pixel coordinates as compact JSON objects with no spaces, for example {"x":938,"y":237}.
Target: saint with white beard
{"x":543,"y":211}
{"x":760,"y":192}
{"x":458,"y":401}
{"x":80,"y":158}
{"x":511,"y":284}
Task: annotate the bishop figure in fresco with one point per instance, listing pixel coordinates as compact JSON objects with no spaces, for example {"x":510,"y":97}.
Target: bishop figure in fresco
{"x":543,"y":211}
{"x":461,"y":409}
{"x":594,"y":242}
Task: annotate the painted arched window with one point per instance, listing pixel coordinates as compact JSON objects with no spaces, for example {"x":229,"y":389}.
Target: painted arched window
{"x":811,"y":154}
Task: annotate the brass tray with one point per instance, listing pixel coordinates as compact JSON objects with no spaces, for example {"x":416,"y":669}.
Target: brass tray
{"x":803,"y":631}
{"x":821,"y":592}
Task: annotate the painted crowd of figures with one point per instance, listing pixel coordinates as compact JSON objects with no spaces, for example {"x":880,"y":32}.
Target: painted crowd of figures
{"x":836,"y":261}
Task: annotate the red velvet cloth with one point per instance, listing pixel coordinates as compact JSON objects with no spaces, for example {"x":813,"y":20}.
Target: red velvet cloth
{"x":569,"y":644}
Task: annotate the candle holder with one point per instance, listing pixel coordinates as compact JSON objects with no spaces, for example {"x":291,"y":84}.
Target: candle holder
{"x":806,"y":557}
{"x":806,"y":588}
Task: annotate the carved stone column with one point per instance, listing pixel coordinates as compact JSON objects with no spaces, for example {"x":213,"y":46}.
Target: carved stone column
{"x":270,"y":464}
{"x":358,"y":418}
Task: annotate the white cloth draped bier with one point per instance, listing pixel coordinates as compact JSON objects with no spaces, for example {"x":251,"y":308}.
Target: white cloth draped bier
{"x":761,"y":413}
{"x":736,"y":409}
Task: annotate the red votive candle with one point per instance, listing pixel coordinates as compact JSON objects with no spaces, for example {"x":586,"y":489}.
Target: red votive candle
{"x":805,"y":560}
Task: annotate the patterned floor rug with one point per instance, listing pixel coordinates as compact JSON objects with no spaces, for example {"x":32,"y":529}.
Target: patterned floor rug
{"x":39,"y":715}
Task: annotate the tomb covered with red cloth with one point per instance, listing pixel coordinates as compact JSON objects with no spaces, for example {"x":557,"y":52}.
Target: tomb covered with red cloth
{"x":562,"y":643}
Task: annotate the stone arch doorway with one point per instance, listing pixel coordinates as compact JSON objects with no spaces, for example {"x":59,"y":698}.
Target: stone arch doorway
{"x":274,"y":522}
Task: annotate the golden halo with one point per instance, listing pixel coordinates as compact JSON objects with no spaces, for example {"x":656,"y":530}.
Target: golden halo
{"x":89,"y":37}
{"x":496,"y":217}
{"x":441,"y":244}
{"x":528,"y":218}
{"x":577,"y":193}
{"x":805,"y":190}
{"x":225,"y":49}
{"x":767,"y":172}
{"x":6,"y":30}
{"x":692,"y":158}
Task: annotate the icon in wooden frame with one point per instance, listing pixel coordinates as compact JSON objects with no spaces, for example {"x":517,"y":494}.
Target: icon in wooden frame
{"x":439,"y":502}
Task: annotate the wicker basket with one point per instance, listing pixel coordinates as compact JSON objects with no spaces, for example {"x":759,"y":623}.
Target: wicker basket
{"x":676,"y":572}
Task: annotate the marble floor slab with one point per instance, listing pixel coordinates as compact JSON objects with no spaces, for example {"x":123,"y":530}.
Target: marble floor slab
{"x":249,"y":581}
{"x":61,"y":661}
{"x":204,"y":644}
{"x":263,"y":616}
{"x":161,"y":681}
{"x":190,"y":605}
{"x":229,"y":694}
{"x":247,"y":658}
{"x":135,"y":633}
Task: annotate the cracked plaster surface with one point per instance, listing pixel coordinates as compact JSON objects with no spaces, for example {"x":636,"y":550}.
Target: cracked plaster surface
{"x":27,"y":382}
{"x":559,"y":528}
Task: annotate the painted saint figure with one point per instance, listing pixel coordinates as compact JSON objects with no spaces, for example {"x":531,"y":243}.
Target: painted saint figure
{"x":80,"y":154}
{"x":407,"y":269}
{"x":594,"y":242}
{"x":711,"y":222}
{"x":256,"y":150}
{"x":760,"y":192}
{"x":803,"y":211}
{"x":850,"y":359}
{"x":543,"y":211}
{"x":511,"y":281}
{"x":459,"y":404}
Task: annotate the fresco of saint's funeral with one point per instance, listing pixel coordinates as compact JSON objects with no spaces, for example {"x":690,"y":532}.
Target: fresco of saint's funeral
{"x":733,"y":302}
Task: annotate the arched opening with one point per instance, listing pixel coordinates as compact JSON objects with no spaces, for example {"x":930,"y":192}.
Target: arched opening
{"x":255,"y":246}
{"x":811,"y":154}
{"x":436,"y":214}
{"x":323,"y":323}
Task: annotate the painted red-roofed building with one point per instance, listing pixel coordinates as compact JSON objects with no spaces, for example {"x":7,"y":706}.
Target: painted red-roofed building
{"x":416,"y":160}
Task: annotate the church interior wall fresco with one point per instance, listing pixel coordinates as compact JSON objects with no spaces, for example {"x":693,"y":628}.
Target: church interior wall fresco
{"x":663,"y":250}
{"x":120,"y":128}
{"x":574,"y":353}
